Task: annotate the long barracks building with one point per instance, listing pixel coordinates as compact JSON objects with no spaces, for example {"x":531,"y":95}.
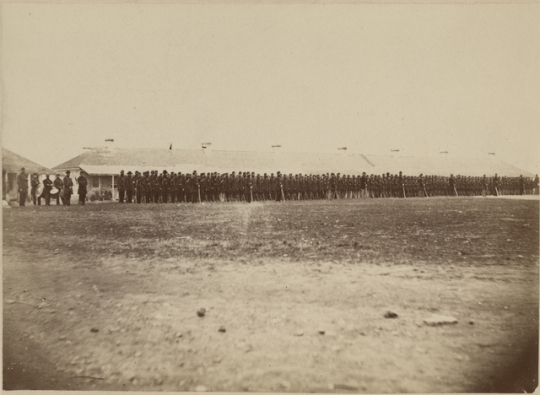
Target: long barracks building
{"x":104,"y":164}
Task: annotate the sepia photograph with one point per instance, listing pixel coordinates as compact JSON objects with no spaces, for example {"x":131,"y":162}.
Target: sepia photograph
{"x":278,"y":197}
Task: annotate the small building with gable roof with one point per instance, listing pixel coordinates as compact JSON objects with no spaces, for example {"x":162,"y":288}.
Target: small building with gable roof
{"x":11,"y":167}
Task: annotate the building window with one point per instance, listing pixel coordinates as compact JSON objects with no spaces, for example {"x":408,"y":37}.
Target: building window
{"x":95,"y":182}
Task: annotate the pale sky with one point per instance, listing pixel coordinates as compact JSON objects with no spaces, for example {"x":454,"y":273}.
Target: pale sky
{"x":422,"y":78}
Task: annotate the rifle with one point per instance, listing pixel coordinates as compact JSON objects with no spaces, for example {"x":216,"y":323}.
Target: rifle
{"x":199,"y":190}
{"x":282,"y":194}
{"x":251,"y":192}
{"x":455,"y":191}
{"x":403,"y":187}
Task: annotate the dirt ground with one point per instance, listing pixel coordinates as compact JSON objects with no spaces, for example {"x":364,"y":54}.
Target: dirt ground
{"x":295,"y":295}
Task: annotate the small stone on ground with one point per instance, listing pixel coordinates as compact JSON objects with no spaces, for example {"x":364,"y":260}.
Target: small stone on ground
{"x":437,"y":319}
{"x":390,"y":314}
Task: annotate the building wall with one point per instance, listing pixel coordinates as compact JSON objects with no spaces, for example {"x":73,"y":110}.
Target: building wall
{"x":98,"y":184}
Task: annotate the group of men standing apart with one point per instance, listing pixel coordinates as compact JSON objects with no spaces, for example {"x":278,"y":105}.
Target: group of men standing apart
{"x":63,"y":188}
{"x":155,"y":187}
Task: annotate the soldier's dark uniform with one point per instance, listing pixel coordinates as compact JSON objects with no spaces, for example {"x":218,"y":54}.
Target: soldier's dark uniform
{"x":47,"y":186}
{"x":189,"y":197}
{"x":451,"y":186}
{"x":181,"y":188}
{"x":145,"y":187}
{"x":34,"y":184}
{"x":83,"y":183}
{"x":172,"y":187}
{"x":203,"y":181}
{"x":121,"y":187}
{"x":333,"y":186}
{"x":421,"y":187}
{"x":165,"y":185}
{"x":139,"y":186}
{"x":496,"y":185}
{"x":150,"y":188}
{"x":248,"y":188}
{"x":68,"y":189}
{"x":233,"y":187}
{"x":129,"y":187}
{"x":158,"y":179}
{"x":59,"y":185}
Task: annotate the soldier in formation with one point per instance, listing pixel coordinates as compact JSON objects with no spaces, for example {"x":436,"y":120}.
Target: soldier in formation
{"x":67,"y":188}
{"x":83,"y":183}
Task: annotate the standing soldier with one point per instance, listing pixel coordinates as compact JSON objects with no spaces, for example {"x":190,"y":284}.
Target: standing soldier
{"x":152,"y":186}
{"x":421,"y":187}
{"x":209,"y":193}
{"x":248,"y":188}
{"x":452,"y":186}
{"x":196,"y":186}
{"x":333,"y":186}
{"x":146,"y":187}
{"x":121,"y":187}
{"x":264,"y":187}
{"x":22,"y":186}
{"x":210,"y":187}
{"x":224,"y":187}
{"x":165,"y":183}
{"x":68,"y":189}
{"x":216,"y":187}
{"x":278,"y":188}
{"x":363,"y":185}
{"x":233,"y":185}
{"x":401,"y":185}
{"x":189,"y":189}
{"x":129,"y":187}
{"x":256,"y":180}
{"x":156,"y":186}
{"x":496,"y":184}
{"x":286,"y":186}
{"x":139,"y":186}
{"x":47,"y":186}
{"x":180,"y":184}
{"x":202,"y":187}
{"x":59,"y":185}
{"x":34,"y":183}
{"x":83,"y":183}
{"x":173,"y":185}
{"x":271,"y":187}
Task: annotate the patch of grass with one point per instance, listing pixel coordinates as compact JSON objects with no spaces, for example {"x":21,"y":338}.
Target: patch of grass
{"x":433,"y":230}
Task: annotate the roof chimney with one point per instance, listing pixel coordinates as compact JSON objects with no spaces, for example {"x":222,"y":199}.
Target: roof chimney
{"x":206,"y":147}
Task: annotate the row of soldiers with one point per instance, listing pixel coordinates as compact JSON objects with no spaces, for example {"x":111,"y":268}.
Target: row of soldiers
{"x":245,"y":186}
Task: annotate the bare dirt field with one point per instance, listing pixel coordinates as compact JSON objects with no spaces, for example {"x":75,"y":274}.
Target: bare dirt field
{"x":295,"y":295}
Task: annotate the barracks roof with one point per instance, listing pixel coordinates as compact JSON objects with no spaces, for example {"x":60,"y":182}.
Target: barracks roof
{"x":112,"y":160}
{"x":12,"y":163}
